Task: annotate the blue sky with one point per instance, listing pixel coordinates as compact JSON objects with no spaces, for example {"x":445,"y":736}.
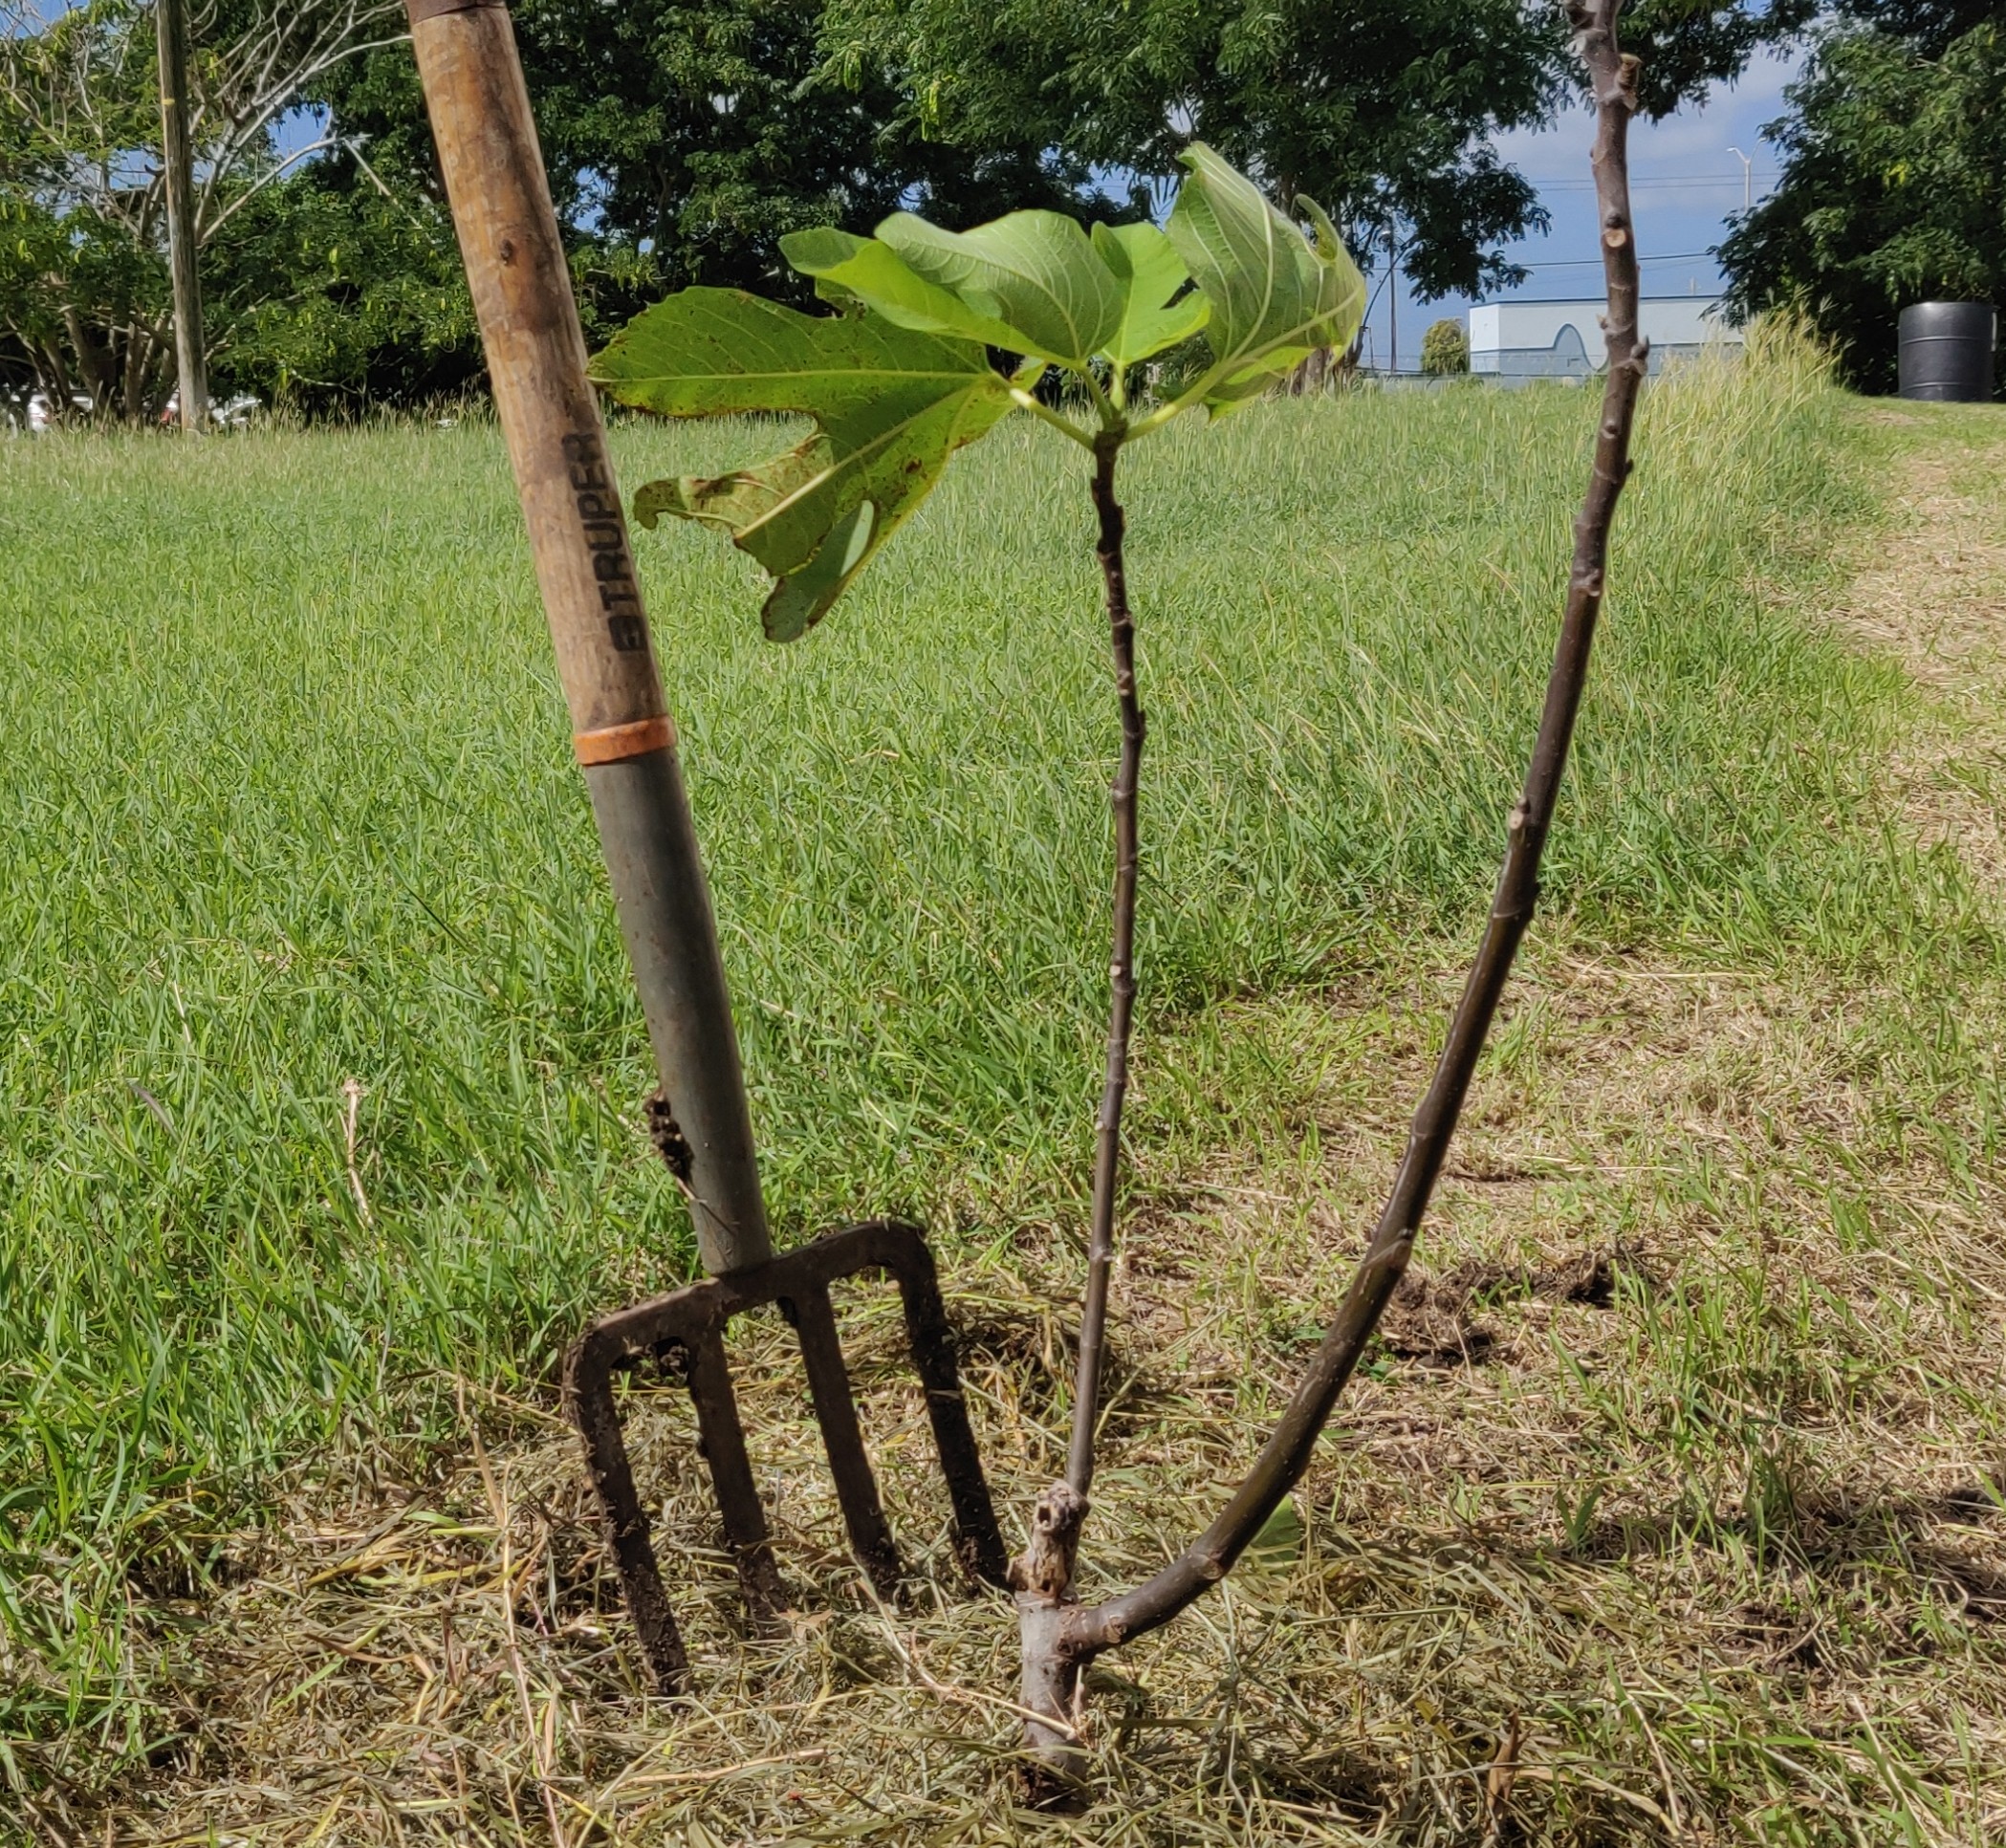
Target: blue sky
{"x":1685,"y":188}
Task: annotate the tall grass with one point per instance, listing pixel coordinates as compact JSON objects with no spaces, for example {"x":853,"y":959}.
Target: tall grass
{"x":285,"y":809}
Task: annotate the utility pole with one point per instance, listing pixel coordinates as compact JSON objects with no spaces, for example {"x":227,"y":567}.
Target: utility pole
{"x":1748,"y":178}
{"x":1392,"y":295}
{"x":171,"y":19}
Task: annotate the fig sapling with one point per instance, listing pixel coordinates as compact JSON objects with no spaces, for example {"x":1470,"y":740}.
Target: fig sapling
{"x":898,"y":378}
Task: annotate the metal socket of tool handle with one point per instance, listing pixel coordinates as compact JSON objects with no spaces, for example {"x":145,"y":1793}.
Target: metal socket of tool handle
{"x":622,"y":732}
{"x":704,"y":1133}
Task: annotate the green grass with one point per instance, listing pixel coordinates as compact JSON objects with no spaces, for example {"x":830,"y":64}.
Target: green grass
{"x":285,"y":804}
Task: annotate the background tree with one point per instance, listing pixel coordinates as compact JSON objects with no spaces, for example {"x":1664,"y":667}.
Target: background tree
{"x":1894,"y":187}
{"x":1928,"y":26}
{"x":683,"y":141}
{"x":1385,"y":112}
{"x":1381,"y":112}
{"x":328,"y":295}
{"x":1686,"y":46}
{"x":1445,"y":349}
{"x":84,"y":300}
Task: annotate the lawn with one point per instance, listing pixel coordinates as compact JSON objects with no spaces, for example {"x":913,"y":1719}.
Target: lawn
{"x":322,"y":1086}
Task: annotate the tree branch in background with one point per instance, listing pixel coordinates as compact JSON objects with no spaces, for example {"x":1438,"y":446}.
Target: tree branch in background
{"x":1070,"y":1635}
{"x":1893,"y":173}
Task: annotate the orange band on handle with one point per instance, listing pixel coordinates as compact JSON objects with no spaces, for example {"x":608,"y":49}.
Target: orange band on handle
{"x":614,"y":743}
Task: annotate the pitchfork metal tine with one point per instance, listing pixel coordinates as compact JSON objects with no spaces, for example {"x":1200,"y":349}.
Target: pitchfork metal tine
{"x":687,"y":1328}
{"x":588,"y":1381}
{"x":931,"y":1340}
{"x":814,"y":1319}
{"x":722,"y":1439}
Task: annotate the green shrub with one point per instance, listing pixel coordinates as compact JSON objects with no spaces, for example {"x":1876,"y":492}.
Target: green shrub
{"x":1445,"y":349}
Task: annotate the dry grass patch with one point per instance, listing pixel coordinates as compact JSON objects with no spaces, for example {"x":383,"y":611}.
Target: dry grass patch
{"x":1932,"y":592}
{"x":1667,"y":1512}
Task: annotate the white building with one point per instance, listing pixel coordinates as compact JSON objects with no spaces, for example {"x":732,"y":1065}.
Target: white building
{"x":1563,"y":339}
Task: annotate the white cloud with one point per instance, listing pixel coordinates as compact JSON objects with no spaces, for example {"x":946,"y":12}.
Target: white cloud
{"x":1688,"y":188}
{"x":1694,"y":140}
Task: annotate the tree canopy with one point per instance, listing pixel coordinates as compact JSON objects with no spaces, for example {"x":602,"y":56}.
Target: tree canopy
{"x":696,"y":136}
{"x":692,"y":138}
{"x":1385,"y":112}
{"x":686,"y":139}
{"x":1381,"y":112}
{"x":1894,"y":187}
{"x":1684,"y":46}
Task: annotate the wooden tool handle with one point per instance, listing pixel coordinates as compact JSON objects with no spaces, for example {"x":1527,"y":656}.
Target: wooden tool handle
{"x":621,"y":729}
{"x":521,"y":288}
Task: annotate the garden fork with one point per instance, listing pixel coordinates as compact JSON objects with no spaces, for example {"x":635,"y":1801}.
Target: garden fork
{"x":625,"y":741}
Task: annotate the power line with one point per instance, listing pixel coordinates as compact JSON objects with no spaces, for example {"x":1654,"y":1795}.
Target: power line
{"x":1595,"y":262}
{"x":1672,"y":183}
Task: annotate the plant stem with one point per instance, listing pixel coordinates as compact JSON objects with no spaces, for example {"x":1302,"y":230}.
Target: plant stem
{"x":1074,"y":1633}
{"x":1028,"y":401}
{"x":1042,"y":1577}
{"x":1107,"y":1152}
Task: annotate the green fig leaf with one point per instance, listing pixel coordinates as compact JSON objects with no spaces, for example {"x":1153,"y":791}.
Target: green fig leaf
{"x":1033,"y":272}
{"x":1275,"y":298}
{"x":1150,"y":272}
{"x":860,"y":268}
{"x":890,"y":405}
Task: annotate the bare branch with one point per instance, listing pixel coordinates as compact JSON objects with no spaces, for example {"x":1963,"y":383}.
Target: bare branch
{"x":260,"y":98}
{"x":354,"y":150}
{"x":253,"y":80}
{"x":276,"y":172}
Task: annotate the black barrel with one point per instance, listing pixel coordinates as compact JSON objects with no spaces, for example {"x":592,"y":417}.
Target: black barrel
{"x":1947,"y":351}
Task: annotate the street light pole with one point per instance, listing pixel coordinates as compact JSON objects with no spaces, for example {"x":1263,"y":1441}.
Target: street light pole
{"x":171,"y":21}
{"x":1748,"y":178}
{"x":1392,"y":295}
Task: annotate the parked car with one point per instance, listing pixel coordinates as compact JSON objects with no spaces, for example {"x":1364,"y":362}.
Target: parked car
{"x":44,"y":412}
{"x":227,"y":414}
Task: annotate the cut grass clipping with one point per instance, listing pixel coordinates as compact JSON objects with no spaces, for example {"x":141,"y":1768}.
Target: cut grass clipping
{"x":1664,"y":1509}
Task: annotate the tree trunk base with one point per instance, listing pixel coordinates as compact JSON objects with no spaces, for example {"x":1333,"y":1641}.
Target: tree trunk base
{"x":1049,"y":1689}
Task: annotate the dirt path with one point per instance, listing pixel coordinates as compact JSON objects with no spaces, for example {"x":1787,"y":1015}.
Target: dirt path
{"x":1932,"y":589}
{"x":1932,"y":592}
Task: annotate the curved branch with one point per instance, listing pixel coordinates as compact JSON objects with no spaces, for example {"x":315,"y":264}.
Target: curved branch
{"x":271,"y":176}
{"x":1085,"y":1632}
{"x":260,"y":76}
